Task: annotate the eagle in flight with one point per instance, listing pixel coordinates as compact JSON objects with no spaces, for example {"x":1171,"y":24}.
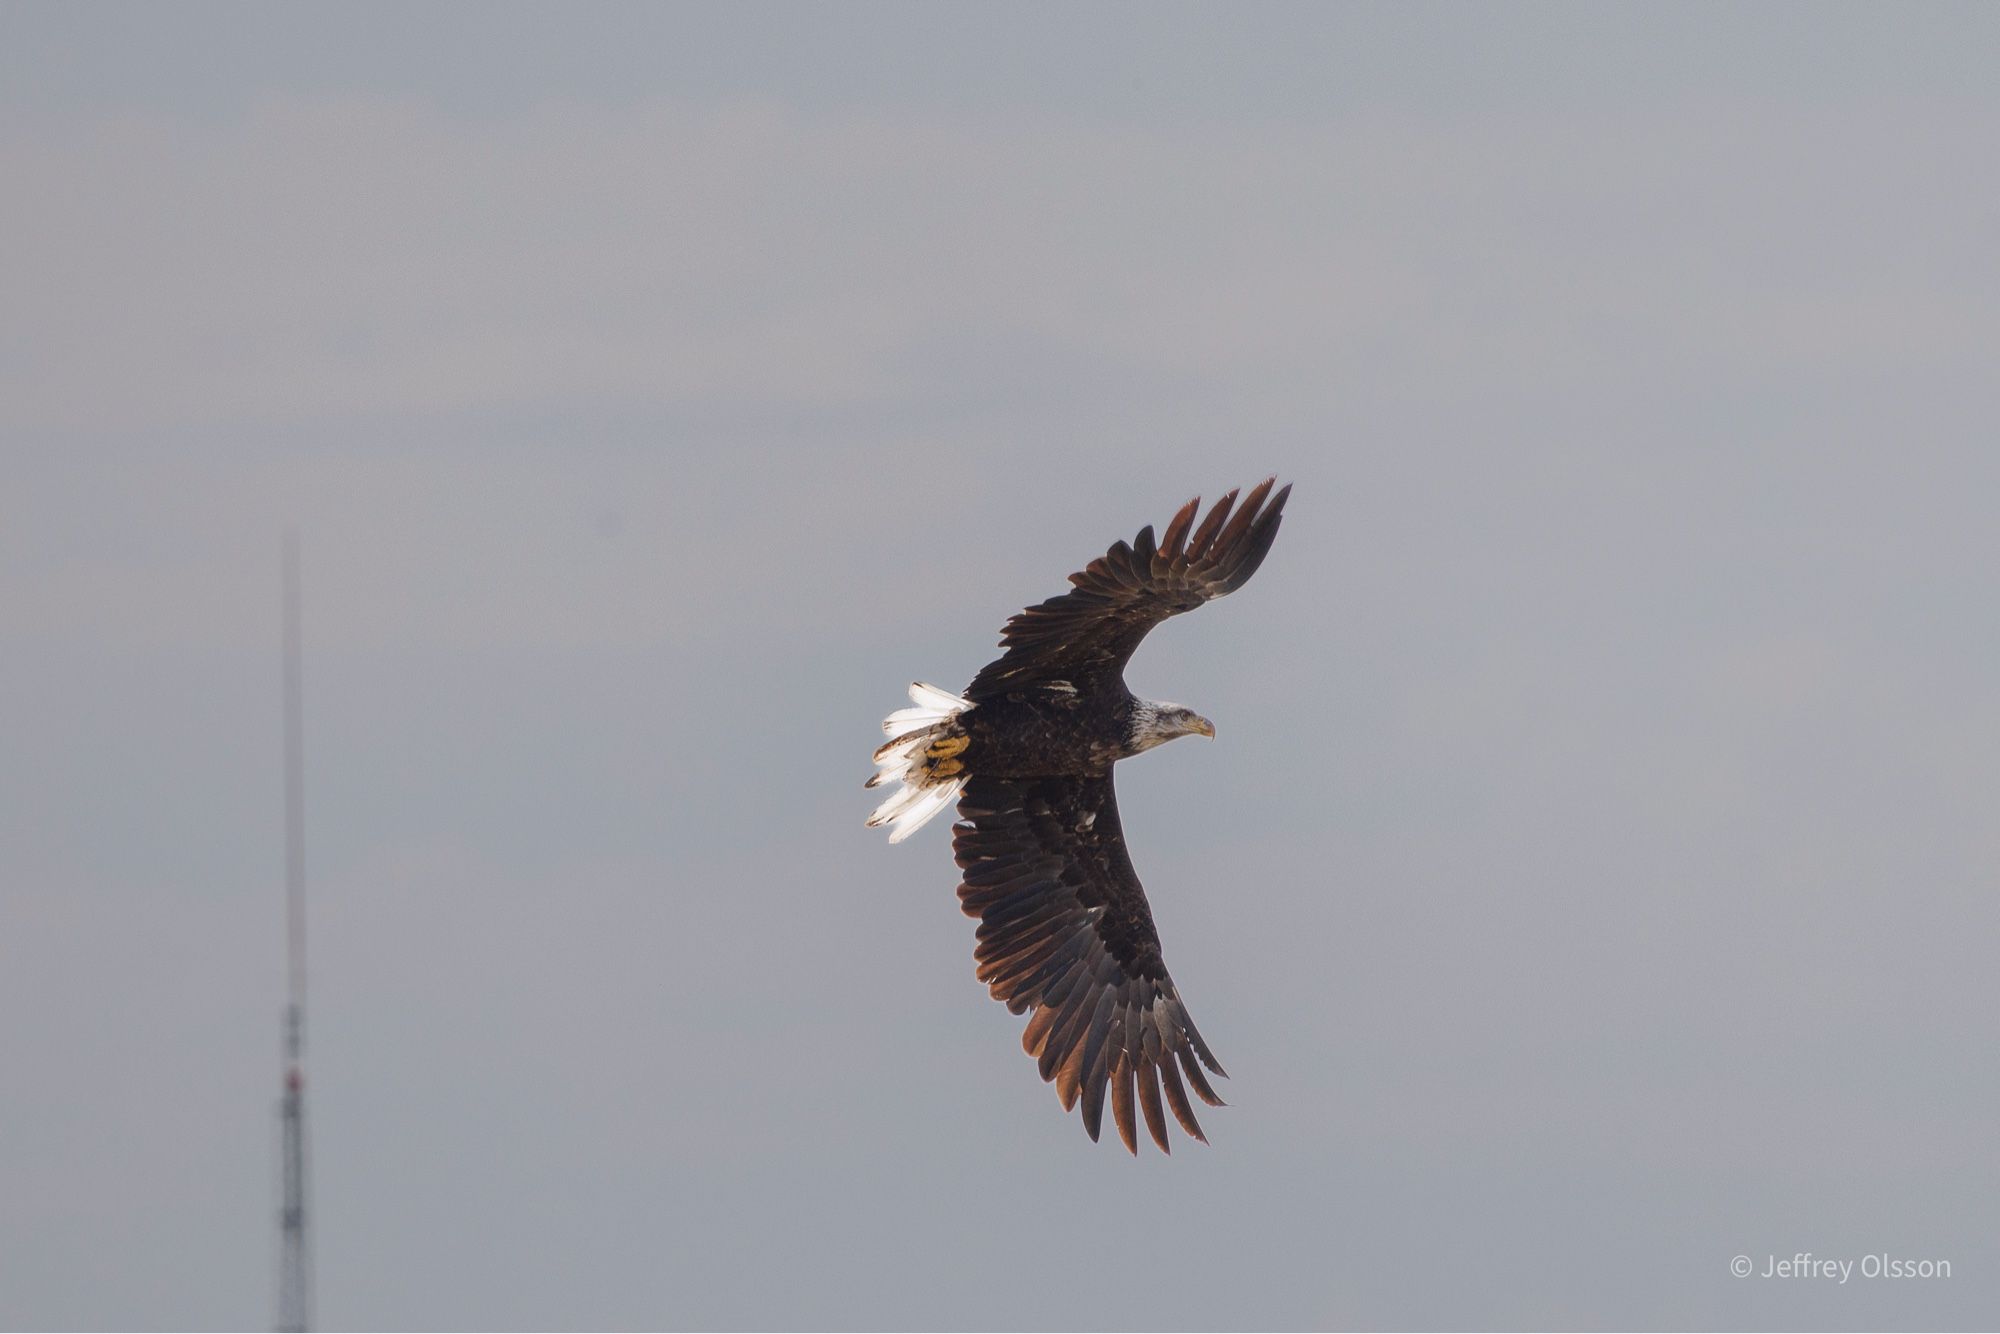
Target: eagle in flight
{"x":1027,"y":752}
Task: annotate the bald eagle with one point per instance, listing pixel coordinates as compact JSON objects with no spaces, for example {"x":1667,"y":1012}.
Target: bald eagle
{"x":1027,"y":752}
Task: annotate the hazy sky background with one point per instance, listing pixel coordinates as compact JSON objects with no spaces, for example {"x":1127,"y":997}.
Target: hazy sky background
{"x":1594,"y":877}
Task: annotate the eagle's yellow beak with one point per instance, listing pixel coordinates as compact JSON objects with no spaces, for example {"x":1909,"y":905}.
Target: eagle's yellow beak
{"x":1205,"y":727}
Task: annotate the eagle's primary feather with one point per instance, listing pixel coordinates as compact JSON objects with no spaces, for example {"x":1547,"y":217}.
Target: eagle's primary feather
{"x":1087,"y":635}
{"x":1064,"y":926}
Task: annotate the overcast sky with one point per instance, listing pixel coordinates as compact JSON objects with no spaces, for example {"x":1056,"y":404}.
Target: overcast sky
{"x":1594,"y":878}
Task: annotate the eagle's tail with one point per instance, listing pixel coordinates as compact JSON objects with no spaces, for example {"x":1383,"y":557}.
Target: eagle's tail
{"x":922,"y":754}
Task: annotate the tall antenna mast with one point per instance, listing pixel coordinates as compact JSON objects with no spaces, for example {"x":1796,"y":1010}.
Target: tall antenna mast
{"x":295,"y":1259}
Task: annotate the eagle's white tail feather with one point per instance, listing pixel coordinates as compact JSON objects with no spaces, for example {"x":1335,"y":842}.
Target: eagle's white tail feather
{"x":909,"y":720}
{"x":930,"y":697}
{"x":895,"y":804}
{"x":933,"y":706}
{"x":898,"y":751}
{"x":934,"y":800}
{"x":900,"y":760}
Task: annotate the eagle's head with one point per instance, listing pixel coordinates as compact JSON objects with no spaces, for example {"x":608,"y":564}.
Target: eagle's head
{"x":1155,"y":721}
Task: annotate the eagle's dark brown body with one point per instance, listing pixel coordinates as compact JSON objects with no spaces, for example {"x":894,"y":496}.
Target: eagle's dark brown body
{"x":1045,"y":731}
{"x":1064,"y":927}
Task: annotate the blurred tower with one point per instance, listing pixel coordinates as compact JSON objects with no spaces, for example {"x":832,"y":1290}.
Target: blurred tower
{"x":295,"y":1258}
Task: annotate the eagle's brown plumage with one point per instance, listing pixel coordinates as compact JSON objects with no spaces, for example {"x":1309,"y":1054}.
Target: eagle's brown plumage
{"x":1064,"y":930}
{"x":1087,"y":635}
{"x":1064,"y":926}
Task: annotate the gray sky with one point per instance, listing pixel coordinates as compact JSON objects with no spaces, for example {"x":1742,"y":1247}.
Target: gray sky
{"x":1594,"y":879}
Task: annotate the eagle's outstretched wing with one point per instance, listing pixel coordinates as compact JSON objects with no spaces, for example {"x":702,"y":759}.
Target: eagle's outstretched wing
{"x":1064,"y":930}
{"x":1086,"y":636}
